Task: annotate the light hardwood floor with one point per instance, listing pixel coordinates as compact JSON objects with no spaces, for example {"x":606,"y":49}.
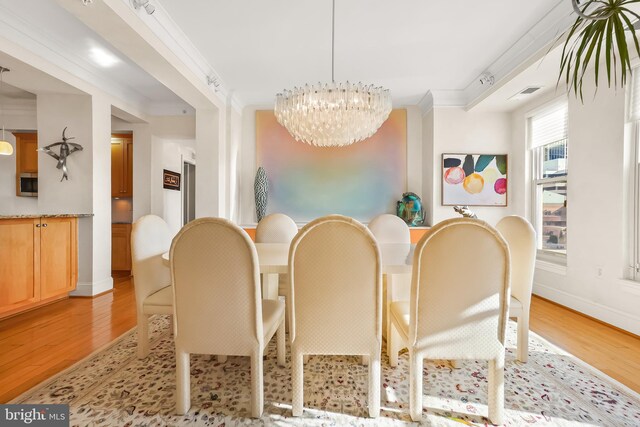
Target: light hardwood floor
{"x":40,"y":343}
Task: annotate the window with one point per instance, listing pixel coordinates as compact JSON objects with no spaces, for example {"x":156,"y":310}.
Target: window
{"x":548,"y":142}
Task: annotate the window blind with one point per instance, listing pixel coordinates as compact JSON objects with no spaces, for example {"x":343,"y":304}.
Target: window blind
{"x":550,"y":125}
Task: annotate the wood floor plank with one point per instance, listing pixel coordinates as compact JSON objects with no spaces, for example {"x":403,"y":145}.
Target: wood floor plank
{"x":38,"y":344}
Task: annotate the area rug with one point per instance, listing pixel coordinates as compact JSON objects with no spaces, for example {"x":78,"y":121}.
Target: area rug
{"x":113,"y":388}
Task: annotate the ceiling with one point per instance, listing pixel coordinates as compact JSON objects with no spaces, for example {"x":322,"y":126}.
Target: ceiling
{"x":50,"y":25}
{"x":412,"y":46}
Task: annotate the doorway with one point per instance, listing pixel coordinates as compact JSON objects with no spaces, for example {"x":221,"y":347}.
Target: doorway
{"x":188,"y":192}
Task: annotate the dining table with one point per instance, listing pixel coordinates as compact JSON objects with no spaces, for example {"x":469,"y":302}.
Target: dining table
{"x":396,"y":259}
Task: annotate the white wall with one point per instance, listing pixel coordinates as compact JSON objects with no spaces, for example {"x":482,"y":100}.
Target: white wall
{"x":247,"y":160}
{"x":458,"y":131}
{"x":10,"y":204}
{"x":596,"y":210}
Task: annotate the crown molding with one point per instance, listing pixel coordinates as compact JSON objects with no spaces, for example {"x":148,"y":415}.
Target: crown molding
{"x":169,"y":32}
{"x":532,"y":46}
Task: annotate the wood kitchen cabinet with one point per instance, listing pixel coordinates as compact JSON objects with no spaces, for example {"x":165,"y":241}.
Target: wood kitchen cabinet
{"x":39,"y":262}
{"x":121,"y":166}
{"x":121,"y":247}
{"x":26,"y":155}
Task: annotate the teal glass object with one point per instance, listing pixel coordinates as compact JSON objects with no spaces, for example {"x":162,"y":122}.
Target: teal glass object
{"x":410,"y":209}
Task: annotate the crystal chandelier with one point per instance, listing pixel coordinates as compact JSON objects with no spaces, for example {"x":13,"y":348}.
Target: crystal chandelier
{"x":333,"y":114}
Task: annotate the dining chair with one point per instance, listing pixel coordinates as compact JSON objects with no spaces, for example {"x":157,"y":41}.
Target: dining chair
{"x":150,"y":238}
{"x":388,"y":228}
{"x":521,"y":238}
{"x":218,"y":304}
{"x":458,"y":307}
{"x":335,"y":299}
{"x":276,"y":228}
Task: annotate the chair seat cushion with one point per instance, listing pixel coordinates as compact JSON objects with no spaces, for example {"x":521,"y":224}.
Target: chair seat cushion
{"x":400,"y":316}
{"x":159,"y":302}
{"x":272,"y":315}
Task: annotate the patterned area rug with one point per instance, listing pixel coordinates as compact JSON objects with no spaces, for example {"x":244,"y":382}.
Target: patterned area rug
{"x":114,"y":388}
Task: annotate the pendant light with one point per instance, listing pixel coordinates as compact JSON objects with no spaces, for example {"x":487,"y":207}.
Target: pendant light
{"x":6,"y":149}
{"x":333,"y":114}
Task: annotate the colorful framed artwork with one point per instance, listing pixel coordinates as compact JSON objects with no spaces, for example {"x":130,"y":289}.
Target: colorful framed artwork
{"x":170,"y":180}
{"x":474,"y":179}
{"x":361,"y":180}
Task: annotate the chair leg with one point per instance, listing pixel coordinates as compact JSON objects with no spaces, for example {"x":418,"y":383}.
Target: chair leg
{"x":455,"y":364}
{"x":394,"y":344}
{"x":305,"y":358}
{"x":297,"y":379}
{"x":496,"y":389}
{"x":143,"y":336}
{"x":183,"y":382}
{"x":415,"y":386}
{"x":281,"y":345}
{"x":523,"y":337}
{"x":374,"y":384}
{"x":257,"y":395}
{"x":364,"y":360}
{"x":222,"y":358}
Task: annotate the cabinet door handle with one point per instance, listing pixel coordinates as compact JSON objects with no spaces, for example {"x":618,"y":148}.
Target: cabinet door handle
{"x":44,"y":225}
{"x":37,"y":225}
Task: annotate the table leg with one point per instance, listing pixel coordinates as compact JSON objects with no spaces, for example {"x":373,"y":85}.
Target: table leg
{"x":270,"y":285}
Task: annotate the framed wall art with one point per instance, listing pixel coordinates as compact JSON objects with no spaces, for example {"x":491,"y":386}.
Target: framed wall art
{"x":170,"y":180}
{"x":360,"y":180}
{"x":474,"y":179}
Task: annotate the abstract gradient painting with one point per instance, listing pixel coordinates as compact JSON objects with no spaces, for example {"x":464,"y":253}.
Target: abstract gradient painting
{"x":361,"y":180}
{"x":474,"y":179}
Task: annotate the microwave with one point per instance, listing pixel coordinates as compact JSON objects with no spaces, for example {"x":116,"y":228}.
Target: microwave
{"x":28,"y":185}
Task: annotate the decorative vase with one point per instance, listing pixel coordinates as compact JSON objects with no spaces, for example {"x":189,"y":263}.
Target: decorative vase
{"x":410,"y":209}
{"x":261,"y":190}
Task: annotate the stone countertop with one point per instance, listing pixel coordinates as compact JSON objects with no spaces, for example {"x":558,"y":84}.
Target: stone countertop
{"x":27,"y":216}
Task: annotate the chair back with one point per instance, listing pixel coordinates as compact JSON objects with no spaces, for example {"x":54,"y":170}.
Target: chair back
{"x":217,"y":302}
{"x":276,"y":228}
{"x":335,"y":287}
{"x":459,"y":291}
{"x":521,"y":238}
{"x":150,"y":238}
{"x":389,"y":228}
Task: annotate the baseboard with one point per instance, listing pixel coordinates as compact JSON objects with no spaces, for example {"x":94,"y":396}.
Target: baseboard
{"x":615,"y":317}
{"x":89,"y":289}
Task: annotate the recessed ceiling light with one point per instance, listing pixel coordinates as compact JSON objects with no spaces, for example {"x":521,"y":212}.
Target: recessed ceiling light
{"x":103,"y":57}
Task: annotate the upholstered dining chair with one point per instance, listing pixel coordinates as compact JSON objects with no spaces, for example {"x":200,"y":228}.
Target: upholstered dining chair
{"x":335,"y":299}
{"x":150,"y":238}
{"x":521,"y":238}
{"x":389,"y":228}
{"x":218,"y":304}
{"x":277,"y":228}
{"x":458,"y":307}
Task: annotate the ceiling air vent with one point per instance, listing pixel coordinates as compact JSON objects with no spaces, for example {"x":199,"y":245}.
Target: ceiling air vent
{"x":528,"y":91}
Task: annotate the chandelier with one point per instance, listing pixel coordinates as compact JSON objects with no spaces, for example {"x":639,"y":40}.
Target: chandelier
{"x":333,"y":114}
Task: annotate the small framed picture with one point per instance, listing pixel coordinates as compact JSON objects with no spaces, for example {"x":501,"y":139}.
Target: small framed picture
{"x":474,"y":179}
{"x":170,"y":180}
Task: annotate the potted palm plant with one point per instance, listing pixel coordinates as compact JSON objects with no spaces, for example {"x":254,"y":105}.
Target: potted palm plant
{"x":601,"y":29}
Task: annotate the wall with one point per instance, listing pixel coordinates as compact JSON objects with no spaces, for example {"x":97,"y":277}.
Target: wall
{"x":247,"y":160}
{"x":458,"y":131}
{"x":597,"y":201}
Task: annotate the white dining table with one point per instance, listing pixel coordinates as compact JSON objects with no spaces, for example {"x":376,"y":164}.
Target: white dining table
{"x":396,"y":258}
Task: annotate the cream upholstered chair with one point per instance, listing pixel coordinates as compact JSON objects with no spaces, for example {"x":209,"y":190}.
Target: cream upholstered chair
{"x":458,"y":307}
{"x":389,"y":228}
{"x":150,"y":238}
{"x":276,"y":228}
{"x":335,"y":299}
{"x":218,"y":306}
{"x":521,"y":238}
